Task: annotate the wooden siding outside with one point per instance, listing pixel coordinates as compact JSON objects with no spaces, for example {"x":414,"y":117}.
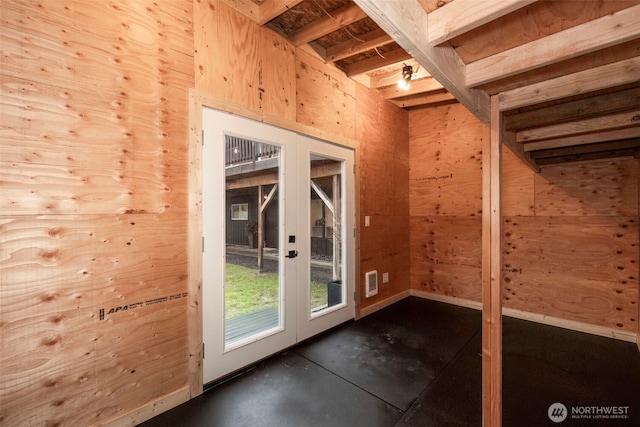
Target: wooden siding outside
{"x":570,"y":234}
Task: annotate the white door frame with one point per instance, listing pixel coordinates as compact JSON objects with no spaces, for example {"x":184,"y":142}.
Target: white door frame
{"x":298,"y":323}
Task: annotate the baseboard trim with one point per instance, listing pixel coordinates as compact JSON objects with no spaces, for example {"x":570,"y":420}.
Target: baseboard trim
{"x":538,"y":318}
{"x":384,"y":303}
{"x":151,"y":409}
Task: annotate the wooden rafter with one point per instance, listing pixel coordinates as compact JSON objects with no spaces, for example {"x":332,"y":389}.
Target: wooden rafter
{"x":603,"y":77}
{"x":431,"y":98}
{"x":272,"y":8}
{"x":391,"y":77}
{"x":364,"y":42}
{"x":578,"y":127}
{"x":406,"y":21}
{"x":376,"y":62}
{"x":462,"y":16}
{"x":574,"y":110}
{"x":589,"y":138}
{"x":321,"y":27}
{"x":604,"y":32}
{"x":417,"y":86}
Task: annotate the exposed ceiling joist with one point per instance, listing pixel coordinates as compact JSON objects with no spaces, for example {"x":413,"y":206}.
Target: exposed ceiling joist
{"x":371,"y":40}
{"x":593,"y":124}
{"x":270,"y":9}
{"x":406,"y":21}
{"x":604,"y":32}
{"x":431,"y":98}
{"x":593,"y":106}
{"x":603,"y":77}
{"x":377,"y":61}
{"x":462,"y":16}
{"x":417,"y":86}
{"x":585,"y":139}
{"x":386,"y":78}
{"x":321,"y":27}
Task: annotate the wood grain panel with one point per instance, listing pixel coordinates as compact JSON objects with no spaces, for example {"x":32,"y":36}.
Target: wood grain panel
{"x":583,"y":269}
{"x":597,"y":188}
{"x":94,"y":121}
{"x":383,"y":156}
{"x":256,"y":68}
{"x":445,"y":175}
{"x":61,"y":350}
{"x":325,"y":97}
{"x":518,"y":189}
{"x":446,"y":256}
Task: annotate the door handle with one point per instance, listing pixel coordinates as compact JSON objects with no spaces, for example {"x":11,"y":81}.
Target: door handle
{"x":292,"y":254}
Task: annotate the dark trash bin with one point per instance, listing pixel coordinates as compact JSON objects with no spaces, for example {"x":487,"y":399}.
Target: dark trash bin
{"x":334,"y":290}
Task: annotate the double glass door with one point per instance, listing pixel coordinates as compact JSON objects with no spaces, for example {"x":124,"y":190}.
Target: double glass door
{"x":278,"y":245}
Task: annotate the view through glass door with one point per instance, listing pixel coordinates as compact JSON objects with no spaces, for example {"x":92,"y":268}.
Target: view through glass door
{"x":275,"y":224}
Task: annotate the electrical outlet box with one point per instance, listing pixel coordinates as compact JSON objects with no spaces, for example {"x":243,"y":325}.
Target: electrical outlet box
{"x":385,"y":277}
{"x":367,"y":220}
{"x":371,"y":283}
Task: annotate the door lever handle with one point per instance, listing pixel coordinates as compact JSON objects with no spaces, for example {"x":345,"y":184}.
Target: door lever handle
{"x":292,"y":254}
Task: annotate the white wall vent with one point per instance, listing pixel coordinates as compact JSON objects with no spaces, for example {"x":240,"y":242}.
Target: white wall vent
{"x":372,"y":283}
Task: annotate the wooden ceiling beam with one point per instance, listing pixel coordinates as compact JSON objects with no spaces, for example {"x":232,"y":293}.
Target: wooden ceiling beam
{"x":387,"y":78}
{"x":406,"y":22}
{"x":600,"y":33}
{"x":425,"y":100}
{"x":590,"y":138}
{"x":417,"y":86}
{"x":462,"y":16}
{"x":593,"y":124}
{"x":321,"y":27}
{"x":596,"y":105}
{"x":364,"y":42}
{"x":603,"y":77}
{"x":271,"y":9}
{"x":587,"y":149}
{"x":376,"y":62}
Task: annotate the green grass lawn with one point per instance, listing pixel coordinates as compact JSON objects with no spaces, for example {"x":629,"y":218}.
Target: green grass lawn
{"x":248,"y":290}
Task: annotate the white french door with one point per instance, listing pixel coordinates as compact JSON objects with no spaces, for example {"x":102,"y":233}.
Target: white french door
{"x":278,"y":245}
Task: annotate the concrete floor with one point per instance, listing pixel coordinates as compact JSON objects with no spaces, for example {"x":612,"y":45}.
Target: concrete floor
{"x":418,"y":363}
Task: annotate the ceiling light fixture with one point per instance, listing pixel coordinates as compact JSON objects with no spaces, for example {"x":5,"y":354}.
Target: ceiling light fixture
{"x":407,"y":73}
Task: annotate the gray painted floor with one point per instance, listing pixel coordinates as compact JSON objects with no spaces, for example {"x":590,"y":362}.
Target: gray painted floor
{"x":418,"y":363}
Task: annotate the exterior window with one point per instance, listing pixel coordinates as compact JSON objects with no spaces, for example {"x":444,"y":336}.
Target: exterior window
{"x":240,"y":212}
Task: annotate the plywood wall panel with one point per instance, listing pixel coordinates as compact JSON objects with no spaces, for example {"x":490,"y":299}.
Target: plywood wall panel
{"x":518,"y":186}
{"x":446,"y":256}
{"x":600,"y":188}
{"x":382,"y":158}
{"x":94,"y":124}
{"x":325,"y":97}
{"x":570,"y":236}
{"x":583,"y":269}
{"x":110,"y":299}
{"x":445,"y":162}
{"x":256,"y":68}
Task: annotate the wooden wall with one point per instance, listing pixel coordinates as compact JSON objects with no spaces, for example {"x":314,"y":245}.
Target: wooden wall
{"x":570,"y":233}
{"x":93,"y":263}
{"x":277,"y":79}
{"x":93,"y":185}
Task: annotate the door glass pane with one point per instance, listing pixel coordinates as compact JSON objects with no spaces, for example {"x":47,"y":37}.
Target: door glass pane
{"x":326,"y":288}
{"x":252,"y":288}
